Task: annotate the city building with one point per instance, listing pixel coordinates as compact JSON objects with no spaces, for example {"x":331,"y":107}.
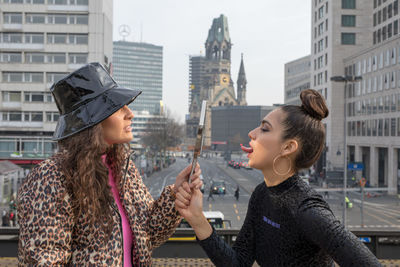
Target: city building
{"x":339,"y":29}
{"x":140,"y":126}
{"x":231,"y":125}
{"x":41,"y":41}
{"x":11,"y":176}
{"x":297,"y":79}
{"x":210,"y":79}
{"x":373,"y":104}
{"x":358,"y":39}
{"x":139,"y":66}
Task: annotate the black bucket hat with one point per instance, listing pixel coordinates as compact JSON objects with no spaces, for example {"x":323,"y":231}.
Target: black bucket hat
{"x":86,"y":97}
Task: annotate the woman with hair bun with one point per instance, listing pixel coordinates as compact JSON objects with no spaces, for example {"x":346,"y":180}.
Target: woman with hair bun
{"x":287,"y":222}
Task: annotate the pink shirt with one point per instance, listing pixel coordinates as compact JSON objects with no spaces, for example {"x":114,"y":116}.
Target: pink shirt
{"x":126,"y":229}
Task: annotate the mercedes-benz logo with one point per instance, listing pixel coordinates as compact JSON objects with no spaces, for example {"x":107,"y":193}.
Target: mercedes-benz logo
{"x":124,"y":30}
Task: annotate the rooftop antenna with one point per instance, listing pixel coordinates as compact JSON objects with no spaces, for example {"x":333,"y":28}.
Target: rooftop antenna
{"x":124,"y":31}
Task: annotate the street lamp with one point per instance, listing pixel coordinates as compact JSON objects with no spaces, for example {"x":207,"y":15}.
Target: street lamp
{"x":345,"y":79}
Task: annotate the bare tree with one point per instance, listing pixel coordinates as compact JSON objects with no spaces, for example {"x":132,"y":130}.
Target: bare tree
{"x":162,"y":132}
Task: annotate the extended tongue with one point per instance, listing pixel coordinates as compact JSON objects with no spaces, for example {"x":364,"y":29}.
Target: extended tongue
{"x":246,"y":149}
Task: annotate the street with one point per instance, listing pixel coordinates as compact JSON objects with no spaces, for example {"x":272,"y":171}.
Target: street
{"x":381,"y":212}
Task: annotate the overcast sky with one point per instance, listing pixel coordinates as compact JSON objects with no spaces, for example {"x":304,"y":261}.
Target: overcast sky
{"x":268,"y":33}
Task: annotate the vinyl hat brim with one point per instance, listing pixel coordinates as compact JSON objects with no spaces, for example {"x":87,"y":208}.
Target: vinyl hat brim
{"x":94,"y":112}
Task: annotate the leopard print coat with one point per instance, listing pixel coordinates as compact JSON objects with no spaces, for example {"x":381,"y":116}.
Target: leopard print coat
{"x":48,"y":235}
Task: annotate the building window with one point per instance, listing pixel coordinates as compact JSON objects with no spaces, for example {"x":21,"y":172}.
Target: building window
{"x":38,"y":97}
{"x":34,"y":38}
{"x":54,"y":77}
{"x":11,"y":57}
{"x":348,"y":38}
{"x":10,"y":37}
{"x":379,"y":17}
{"x":380,"y":127}
{"x":384,"y":14}
{"x":380,"y":103}
{"x":52,"y":116}
{"x":78,"y":39}
{"x":386,"y":128}
{"x":320,"y":29}
{"x":374,"y":19}
{"x":393,"y":106}
{"x":389,"y":29}
{"x":398,"y":126}
{"x":384,"y":33}
{"x":11,"y":96}
{"x":35,"y":18}
{"x":55,"y":38}
{"x":390,"y":10}
{"x":17,"y":77}
{"x":348,"y":4}
{"x":396,"y":7}
{"x":321,"y":12}
{"x":348,"y":20}
{"x":368,"y":128}
{"x":78,"y":58}
{"x":12,"y":18}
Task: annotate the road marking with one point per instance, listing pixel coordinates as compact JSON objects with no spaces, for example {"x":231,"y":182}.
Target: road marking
{"x":164,"y":182}
{"x":378,"y":218}
{"x":382,"y":211}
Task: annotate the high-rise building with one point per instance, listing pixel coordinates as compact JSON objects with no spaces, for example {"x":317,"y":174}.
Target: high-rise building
{"x":373,"y":104}
{"x":40,"y":42}
{"x":339,"y":29}
{"x":359,"y":39}
{"x":139,"y":66}
{"x":210,"y":79}
{"x":297,"y":79}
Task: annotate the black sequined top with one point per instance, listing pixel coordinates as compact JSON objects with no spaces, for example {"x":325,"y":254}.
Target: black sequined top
{"x":289,"y":225}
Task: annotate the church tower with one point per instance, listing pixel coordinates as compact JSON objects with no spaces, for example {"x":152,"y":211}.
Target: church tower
{"x":210,"y":79}
{"x":218,"y":44}
{"x":241,"y":85}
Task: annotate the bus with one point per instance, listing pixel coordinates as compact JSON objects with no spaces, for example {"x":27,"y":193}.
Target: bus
{"x":215,"y":218}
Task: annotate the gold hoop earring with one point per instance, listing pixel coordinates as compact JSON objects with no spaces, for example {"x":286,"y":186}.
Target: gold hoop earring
{"x":273,"y":166}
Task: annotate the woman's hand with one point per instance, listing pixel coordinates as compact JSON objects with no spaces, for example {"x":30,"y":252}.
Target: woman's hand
{"x":189,"y":203}
{"x":183,"y":176}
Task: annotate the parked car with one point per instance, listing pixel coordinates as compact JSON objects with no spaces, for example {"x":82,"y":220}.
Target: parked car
{"x":218,"y":187}
{"x":246,"y":165}
{"x":236,"y":165}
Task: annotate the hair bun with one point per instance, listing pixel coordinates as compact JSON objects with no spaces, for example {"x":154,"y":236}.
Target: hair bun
{"x":314,"y":104}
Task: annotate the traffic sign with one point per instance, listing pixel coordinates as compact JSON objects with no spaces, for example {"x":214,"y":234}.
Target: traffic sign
{"x":355,"y":166}
{"x":365,"y":239}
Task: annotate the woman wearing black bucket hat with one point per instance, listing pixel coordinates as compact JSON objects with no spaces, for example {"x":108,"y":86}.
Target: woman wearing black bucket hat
{"x":87,"y":205}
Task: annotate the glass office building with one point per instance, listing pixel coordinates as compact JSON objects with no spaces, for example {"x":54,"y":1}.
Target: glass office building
{"x":139,"y":66}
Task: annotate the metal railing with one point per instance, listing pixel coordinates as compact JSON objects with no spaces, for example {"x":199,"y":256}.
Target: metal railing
{"x":385,"y":244}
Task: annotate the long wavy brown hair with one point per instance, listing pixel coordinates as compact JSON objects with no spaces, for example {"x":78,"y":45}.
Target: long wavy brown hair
{"x":87,"y":176}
